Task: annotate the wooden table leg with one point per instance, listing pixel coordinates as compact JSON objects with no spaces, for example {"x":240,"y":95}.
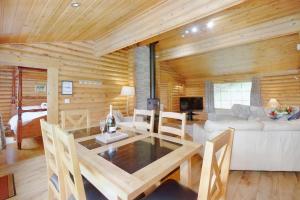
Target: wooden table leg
{"x":186,"y":173}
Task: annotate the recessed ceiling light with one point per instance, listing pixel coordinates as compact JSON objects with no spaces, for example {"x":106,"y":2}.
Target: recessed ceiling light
{"x":194,"y":29}
{"x":210,"y":24}
{"x":187,"y":31}
{"x":75,"y":4}
{"x":183,"y":35}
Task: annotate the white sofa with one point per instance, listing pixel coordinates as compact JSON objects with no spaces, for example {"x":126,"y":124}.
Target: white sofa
{"x":259,"y":142}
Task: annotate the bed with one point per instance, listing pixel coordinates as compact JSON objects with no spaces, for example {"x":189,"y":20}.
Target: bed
{"x":27,"y":117}
{"x":25,"y":120}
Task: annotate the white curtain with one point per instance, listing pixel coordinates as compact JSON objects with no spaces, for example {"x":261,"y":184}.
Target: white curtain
{"x":255,"y":98}
{"x":209,"y":97}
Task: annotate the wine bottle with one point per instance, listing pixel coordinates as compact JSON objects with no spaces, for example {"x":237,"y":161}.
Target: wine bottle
{"x":111,"y":122}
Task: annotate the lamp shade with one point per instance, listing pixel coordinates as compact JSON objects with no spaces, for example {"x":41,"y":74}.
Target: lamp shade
{"x":127,"y":91}
{"x":273,"y":103}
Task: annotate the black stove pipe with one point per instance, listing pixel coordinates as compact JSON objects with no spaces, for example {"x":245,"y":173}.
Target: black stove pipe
{"x":152,"y":70}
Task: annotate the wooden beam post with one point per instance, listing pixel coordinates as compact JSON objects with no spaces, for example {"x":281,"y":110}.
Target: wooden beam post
{"x":52,"y":95}
{"x":19,"y":108}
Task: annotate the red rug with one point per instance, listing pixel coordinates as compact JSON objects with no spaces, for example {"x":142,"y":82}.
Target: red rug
{"x":7,"y":185}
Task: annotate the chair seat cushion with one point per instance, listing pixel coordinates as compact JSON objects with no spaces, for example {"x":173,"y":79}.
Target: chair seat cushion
{"x":172,"y":190}
{"x":54,"y":181}
{"x":91,"y":193}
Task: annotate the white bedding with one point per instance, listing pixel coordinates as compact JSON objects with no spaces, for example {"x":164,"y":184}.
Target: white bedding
{"x":26,"y":117}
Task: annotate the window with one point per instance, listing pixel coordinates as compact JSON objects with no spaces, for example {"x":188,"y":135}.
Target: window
{"x":227,"y":94}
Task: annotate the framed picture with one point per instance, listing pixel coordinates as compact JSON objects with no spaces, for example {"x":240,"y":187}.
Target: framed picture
{"x":40,"y":88}
{"x":66,"y":87}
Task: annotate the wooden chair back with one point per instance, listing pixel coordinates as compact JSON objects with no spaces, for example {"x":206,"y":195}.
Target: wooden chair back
{"x":168,"y":129}
{"x":75,"y":119}
{"x":52,"y":160}
{"x":146,"y":125}
{"x":69,"y":164}
{"x":215,"y":167}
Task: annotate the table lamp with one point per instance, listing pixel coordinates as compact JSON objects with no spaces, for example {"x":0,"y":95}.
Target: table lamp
{"x":273,"y":103}
{"x":127,"y":91}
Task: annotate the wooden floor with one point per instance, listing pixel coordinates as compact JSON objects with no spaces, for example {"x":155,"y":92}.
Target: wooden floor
{"x":30,"y":177}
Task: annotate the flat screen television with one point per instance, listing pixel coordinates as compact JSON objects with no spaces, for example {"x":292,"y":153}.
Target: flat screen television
{"x":190,"y":104}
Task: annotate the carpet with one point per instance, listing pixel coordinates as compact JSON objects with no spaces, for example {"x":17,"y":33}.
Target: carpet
{"x":7,"y":185}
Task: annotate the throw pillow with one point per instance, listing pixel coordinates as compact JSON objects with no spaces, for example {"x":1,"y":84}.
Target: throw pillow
{"x":295,"y":116}
{"x":241,"y":111}
{"x":258,"y":113}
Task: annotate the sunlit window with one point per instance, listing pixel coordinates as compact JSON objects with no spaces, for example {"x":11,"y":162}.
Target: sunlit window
{"x":227,"y":94}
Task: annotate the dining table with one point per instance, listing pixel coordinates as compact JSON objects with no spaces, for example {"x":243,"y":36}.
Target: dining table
{"x":127,"y":168}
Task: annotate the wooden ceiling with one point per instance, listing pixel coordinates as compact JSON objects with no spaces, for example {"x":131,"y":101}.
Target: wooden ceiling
{"x":271,"y":55}
{"x":56,"y":20}
{"x":245,"y":15}
{"x":252,"y":37}
{"x":113,"y":24}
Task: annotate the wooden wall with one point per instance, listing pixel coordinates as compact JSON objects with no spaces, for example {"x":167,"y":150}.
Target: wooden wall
{"x":276,"y":61}
{"x":75,"y":62}
{"x":171,"y":87}
{"x":5,"y":92}
{"x":285,"y":88}
{"x":30,"y":79}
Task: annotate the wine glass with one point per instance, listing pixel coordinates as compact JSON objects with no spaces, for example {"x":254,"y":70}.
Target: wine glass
{"x":102,"y":125}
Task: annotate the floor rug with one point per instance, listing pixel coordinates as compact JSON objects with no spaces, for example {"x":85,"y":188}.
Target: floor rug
{"x":7,"y":185}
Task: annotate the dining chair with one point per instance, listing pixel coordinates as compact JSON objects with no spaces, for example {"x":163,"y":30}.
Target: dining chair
{"x":72,"y":179}
{"x":55,"y":190}
{"x":214,"y":174}
{"x":172,"y":130}
{"x":75,"y":119}
{"x":143,"y":125}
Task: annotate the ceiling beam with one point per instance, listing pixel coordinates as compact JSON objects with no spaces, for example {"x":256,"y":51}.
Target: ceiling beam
{"x":267,"y":30}
{"x":14,"y":59}
{"x":160,"y":18}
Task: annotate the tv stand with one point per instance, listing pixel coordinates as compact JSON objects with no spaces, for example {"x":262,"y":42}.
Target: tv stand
{"x":190,"y":115}
{"x":196,"y":115}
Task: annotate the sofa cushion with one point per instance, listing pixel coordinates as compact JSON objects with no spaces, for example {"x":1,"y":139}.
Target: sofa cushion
{"x":295,"y":116}
{"x":258,"y":113}
{"x":236,"y":124}
{"x":241,"y":111}
{"x":282,"y":125}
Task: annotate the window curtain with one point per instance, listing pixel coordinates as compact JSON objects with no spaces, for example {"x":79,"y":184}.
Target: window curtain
{"x":255,"y":98}
{"x":209,"y":97}
{"x":2,"y":136}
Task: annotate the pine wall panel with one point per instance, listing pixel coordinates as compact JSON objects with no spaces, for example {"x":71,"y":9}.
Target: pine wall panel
{"x":30,"y":79}
{"x":285,"y":88}
{"x":5,"y":92}
{"x":171,"y":87}
{"x":76,"y":62}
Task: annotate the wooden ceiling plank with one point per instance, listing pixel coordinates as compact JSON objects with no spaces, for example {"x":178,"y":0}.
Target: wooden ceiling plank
{"x":70,"y":17}
{"x":9,"y":9}
{"x":31,"y":19}
{"x":273,"y":54}
{"x":93,"y":20}
{"x":101,"y":24}
{"x":61,"y":10}
{"x":52,"y":25}
{"x":172,"y":14}
{"x":95,"y":31}
{"x":22,"y":12}
{"x":244,"y":15}
{"x":46,"y":9}
{"x":276,"y":28}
